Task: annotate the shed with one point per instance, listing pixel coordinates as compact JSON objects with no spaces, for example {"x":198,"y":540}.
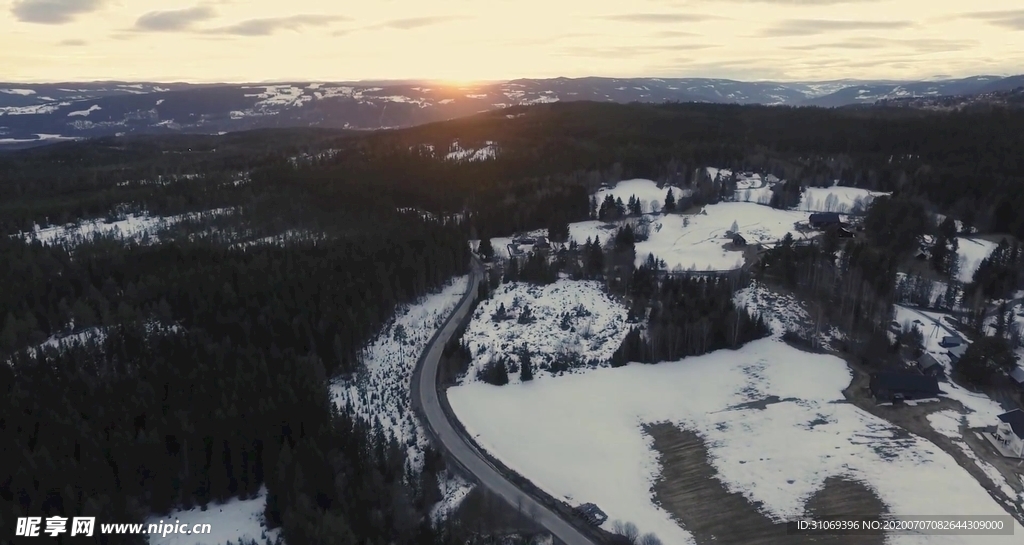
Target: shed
{"x":738,"y":240}
{"x":897,"y":387}
{"x":930,"y":366}
{"x":820,"y":220}
{"x":950,"y":341}
{"x":843,"y":232}
{"x":956,"y":352}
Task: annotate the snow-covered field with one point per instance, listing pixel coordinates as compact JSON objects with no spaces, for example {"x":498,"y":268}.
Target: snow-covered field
{"x":579,"y":437}
{"x":596,"y":325}
{"x":646,"y":190}
{"x":141,"y":228}
{"x":380,"y":391}
{"x":972,"y":252}
{"x":696,"y":241}
{"x":230,"y":521}
{"x":837,"y":199}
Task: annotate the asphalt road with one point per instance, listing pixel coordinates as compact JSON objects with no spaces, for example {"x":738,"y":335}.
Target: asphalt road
{"x":459,"y":448}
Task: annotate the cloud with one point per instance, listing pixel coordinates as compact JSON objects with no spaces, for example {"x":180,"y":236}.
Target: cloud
{"x":631,"y":50}
{"x":53,"y":12}
{"x":659,"y":17}
{"x":417,"y":22}
{"x":72,"y":42}
{"x":811,"y":27}
{"x":805,"y":3}
{"x":1011,"y":19}
{"x":920,"y":45}
{"x":266,"y":27}
{"x":179,"y":19}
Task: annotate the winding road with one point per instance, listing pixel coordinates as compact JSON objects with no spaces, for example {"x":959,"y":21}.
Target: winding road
{"x":448,"y":436}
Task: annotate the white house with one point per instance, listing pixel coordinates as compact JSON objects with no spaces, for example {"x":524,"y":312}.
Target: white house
{"x":1010,"y":432}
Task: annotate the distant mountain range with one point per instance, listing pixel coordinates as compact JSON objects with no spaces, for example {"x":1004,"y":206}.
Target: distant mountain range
{"x":34,"y":114}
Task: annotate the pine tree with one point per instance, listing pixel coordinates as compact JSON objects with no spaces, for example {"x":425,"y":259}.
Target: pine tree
{"x":670,"y":202}
{"x":525,"y":366}
{"x":486,"y":250}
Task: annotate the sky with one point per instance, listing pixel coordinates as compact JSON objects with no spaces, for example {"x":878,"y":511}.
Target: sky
{"x":475,"y":40}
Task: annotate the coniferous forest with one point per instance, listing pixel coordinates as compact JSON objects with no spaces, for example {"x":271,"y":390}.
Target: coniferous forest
{"x":204,"y":356}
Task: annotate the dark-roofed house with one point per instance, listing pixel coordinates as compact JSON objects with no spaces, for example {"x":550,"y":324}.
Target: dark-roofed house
{"x":821,"y":220}
{"x":738,"y":240}
{"x":930,"y":366}
{"x":1010,"y":432}
{"x":899,"y":387}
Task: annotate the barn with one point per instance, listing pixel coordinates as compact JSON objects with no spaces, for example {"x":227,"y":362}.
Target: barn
{"x":822,"y":220}
{"x":898,"y":387}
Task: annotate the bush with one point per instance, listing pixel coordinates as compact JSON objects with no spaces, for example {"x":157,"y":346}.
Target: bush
{"x":495,"y":372}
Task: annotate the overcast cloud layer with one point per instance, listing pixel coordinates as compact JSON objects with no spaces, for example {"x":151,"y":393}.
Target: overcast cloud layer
{"x":260,"y":40}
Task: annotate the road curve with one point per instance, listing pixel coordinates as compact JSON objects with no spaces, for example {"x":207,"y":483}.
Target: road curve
{"x":426,"y":397}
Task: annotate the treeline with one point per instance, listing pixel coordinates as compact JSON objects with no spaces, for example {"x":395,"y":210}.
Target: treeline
{"x":688,"y":317}
{"x":207,"y":378}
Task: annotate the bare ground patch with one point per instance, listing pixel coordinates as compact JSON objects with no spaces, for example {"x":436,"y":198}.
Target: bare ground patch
{"x":689,"y":489}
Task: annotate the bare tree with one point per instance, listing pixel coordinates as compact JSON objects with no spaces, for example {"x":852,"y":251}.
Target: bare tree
{"x":627,"y":530}
{"x":649,"y":539}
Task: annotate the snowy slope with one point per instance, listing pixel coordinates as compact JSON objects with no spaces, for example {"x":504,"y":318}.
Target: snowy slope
{"x":380,"y":391}
{"x":579,"y":437}
{"x":837,"y":199}
{"x":230,"y":521}
{"x":972,"y":252}
{"x":696,"y":241}
{"x":597,"y":325}
{"x":646,"y":190}
{"x":141,"y":228}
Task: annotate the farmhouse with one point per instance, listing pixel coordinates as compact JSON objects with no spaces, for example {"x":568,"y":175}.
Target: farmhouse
{"x":930,"y":366}
{"x":821,"y":220}
{"x":898,"y":387}
{"x":1009,"y":433}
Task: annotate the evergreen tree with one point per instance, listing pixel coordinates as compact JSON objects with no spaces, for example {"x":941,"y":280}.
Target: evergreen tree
{"x":670,"y":202}
{"x":525,"y":366}
{"x":486,"y":250}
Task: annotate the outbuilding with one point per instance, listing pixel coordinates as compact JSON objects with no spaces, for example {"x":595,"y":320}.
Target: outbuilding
{"x":821,"y":220}
{"x":930,"y":366}
{"x":899,"y":387}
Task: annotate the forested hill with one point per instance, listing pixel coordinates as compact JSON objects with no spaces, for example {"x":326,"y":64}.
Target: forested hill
{"x":522,"y":165}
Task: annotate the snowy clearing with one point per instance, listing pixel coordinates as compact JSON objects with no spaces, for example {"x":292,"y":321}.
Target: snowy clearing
{"x":646,"y":190}
{"x":141,"y":228}
{"x":457,"y":153}
{"x":85,"y":113}
{"x":839,"y":199}
{"x":595,"y":327}
{"x":233,"y":520}
{"x":697,"y":241}
{"x":579,"y":437}
{"x":972,"y":252}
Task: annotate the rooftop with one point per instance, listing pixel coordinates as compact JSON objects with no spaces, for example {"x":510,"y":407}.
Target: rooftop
{"x":1015,"y":419}
{"x":904,"y":382}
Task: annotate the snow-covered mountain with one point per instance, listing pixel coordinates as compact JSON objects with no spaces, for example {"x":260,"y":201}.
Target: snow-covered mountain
{"x":31,"y":114}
